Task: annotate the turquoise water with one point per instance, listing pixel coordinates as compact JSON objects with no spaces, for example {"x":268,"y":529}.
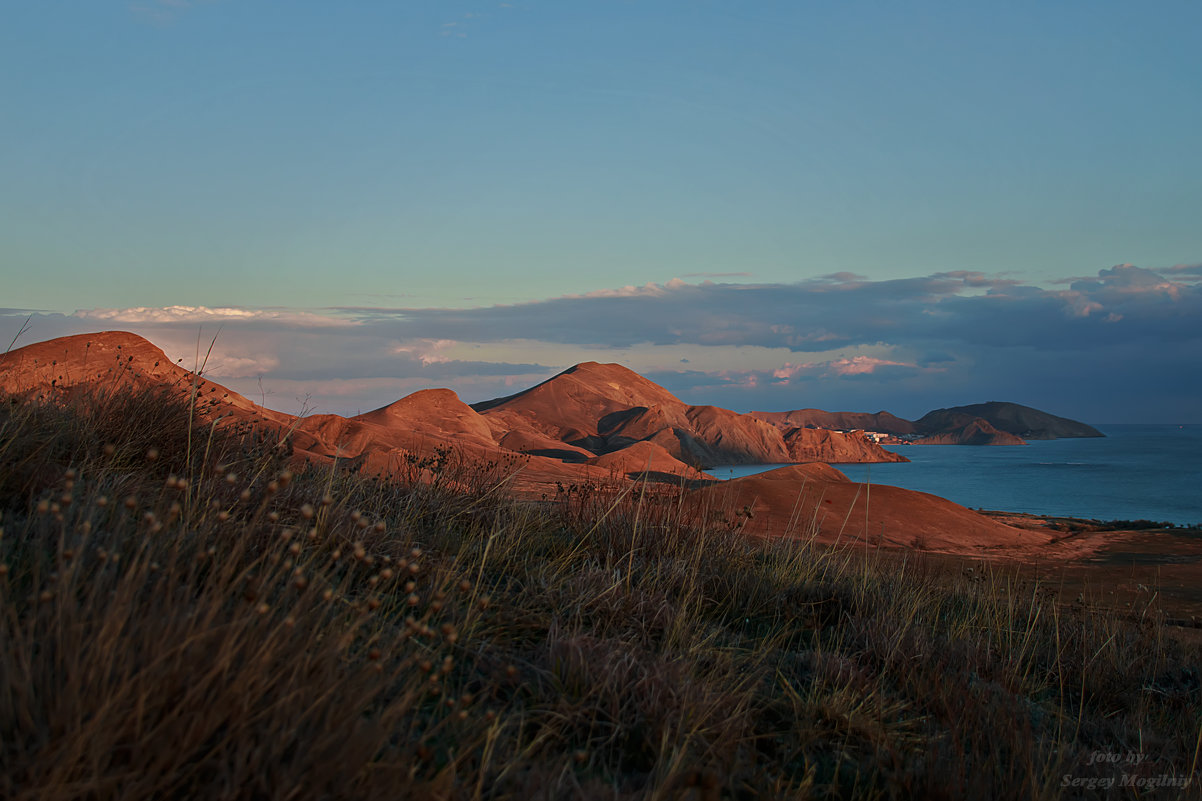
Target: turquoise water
{"x":1151,"y":472}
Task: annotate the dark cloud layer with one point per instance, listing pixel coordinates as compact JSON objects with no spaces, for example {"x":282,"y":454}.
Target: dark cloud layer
{"x":1122,"y":304}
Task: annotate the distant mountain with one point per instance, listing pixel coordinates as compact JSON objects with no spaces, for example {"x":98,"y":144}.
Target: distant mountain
{"x":606,"y":407}
{"x":1013,"y":418}
{"x":977,"y":431}
{"x":993,"y":423}
{"x":883,"y":422}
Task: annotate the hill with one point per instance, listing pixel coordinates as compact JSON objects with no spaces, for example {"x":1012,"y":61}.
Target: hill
{"x":1013,"y":418}
{"x":592,"y":425}
{"x":883,"y":422}
{"x":993,"y":423}
{"x":607,"y":407}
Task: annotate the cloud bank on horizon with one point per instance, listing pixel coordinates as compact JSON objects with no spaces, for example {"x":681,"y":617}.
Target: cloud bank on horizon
{"x":1123,"y":345}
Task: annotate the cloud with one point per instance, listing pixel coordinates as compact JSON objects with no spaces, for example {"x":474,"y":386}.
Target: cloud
{"x":1125,"y":343}
{"x":854,"y":366}
{"x":205,"y":314}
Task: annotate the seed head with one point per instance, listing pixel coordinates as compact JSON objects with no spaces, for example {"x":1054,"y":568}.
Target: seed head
{"x":307,"y":511}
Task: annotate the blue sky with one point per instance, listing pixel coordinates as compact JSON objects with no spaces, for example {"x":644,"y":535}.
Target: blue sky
{"x":476,"y":195}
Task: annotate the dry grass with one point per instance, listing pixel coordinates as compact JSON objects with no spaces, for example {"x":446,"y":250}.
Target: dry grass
{"x":181,"y":616}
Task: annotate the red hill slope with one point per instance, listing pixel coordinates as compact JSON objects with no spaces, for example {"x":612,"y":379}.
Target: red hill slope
{"x":816,"y":500}
{"x":883,"y":422}
{"x":637,"y":430}
{"x":606,"y":407}
{"x":115,"y":360}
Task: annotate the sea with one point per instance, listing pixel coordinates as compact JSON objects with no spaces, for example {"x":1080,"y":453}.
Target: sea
{"x":1135,"y":472}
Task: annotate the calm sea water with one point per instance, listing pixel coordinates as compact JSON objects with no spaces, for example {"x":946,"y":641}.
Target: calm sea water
{"x":1151,"y":472}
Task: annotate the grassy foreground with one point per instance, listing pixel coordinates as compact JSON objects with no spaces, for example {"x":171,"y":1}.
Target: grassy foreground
{"x":182,"y":616}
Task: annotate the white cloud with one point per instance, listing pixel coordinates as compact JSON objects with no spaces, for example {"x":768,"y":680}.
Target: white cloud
{"x":206,"y":314}
{"x":855,"y":365}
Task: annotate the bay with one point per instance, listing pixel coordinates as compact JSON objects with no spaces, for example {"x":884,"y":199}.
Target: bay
{"x":1148,"y":472}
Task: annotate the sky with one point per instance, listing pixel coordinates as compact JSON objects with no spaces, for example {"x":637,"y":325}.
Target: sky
{"x":760,"y":205}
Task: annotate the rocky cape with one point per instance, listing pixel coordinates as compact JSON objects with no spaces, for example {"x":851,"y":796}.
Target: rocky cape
{"x":593,"y":423}
{"x":992,"y":423}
